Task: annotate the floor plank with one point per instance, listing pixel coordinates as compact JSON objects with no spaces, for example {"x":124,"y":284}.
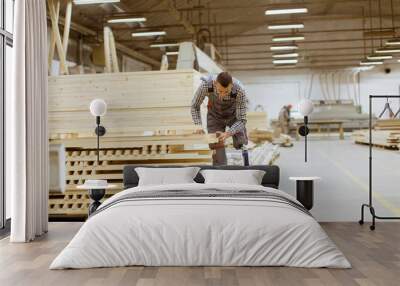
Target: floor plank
{"x":375,"y":257}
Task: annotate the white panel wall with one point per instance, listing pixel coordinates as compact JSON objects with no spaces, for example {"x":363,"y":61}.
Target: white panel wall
{"x":272,"y":95}
{"x":273,"y":89}
{"x":377,"y":82}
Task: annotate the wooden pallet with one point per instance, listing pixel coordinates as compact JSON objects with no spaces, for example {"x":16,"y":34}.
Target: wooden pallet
{"x":81,"y":164}
{"x":385,"y":139}
{"x":72,"y":203}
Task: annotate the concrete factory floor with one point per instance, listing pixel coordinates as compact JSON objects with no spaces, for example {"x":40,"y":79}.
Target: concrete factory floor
{"x":343,"y":168}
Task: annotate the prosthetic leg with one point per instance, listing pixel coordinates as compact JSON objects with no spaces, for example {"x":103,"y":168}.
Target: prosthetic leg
{"x":245,"y":155}
{"x":219,"y":155}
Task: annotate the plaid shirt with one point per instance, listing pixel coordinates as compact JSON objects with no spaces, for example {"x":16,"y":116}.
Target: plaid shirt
{"x":241,"y":106}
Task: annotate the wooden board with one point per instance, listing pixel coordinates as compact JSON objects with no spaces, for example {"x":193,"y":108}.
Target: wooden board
{"x":121,"y":121}
{"x":137,"y":141}
{"x":387,"y":124}
{"x":129,"y":90}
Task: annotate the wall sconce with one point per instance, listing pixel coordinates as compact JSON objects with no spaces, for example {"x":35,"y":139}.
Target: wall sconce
{"x":305,"y":107}
{"x":98,"y":108}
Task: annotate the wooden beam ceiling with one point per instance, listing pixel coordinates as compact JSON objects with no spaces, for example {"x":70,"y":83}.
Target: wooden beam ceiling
{"x":179,"y":17}
{"x":239,"y":28}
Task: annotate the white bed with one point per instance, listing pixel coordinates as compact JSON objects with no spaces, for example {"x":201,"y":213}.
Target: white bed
{"x":184,"y":230}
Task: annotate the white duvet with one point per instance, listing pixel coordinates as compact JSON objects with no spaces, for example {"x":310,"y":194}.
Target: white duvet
{"x":193,"y":231}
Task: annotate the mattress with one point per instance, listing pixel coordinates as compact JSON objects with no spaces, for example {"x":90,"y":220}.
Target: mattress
{"x":201,"y":225}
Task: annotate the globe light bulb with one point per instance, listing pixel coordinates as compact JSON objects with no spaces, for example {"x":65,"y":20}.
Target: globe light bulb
{"x":306,"y":107}
{"x":98,"y":107}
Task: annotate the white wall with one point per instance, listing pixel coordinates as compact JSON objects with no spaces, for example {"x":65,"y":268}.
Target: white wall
{"x":273,"y":89}
{"x":377,"y":82}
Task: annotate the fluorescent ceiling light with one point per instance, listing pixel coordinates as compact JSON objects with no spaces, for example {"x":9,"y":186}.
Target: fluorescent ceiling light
{"x":379,"y":57}
{"x":370,"y":63}
{"x":283,"y":48}
{"x":285,"y":26}
{"x":286,"y":11}
{"x":84,"y":2}
{"x":288,"y":55}
{"x":393,"y":42}
{"x":387,"y":50}
{"x":291,"y":61}
{"x":172,"y":53}
{"x":127,"y":20}
{"x":288,"y":38}
{"x":163,"y":45}
{"x":149,"y":34}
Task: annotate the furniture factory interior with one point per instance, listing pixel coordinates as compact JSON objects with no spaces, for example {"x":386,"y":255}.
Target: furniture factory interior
{"x":198,"y":142}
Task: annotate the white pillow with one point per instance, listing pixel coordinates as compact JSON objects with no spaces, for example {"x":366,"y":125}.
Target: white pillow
{"x":166,"y":176}
{"x":248,"y":177}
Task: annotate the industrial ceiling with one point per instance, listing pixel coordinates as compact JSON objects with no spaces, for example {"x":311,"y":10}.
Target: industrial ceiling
{"x":337,"y":33}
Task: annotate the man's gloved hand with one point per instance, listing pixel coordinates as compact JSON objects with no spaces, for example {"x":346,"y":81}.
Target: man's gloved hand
{"x":223,"y":136}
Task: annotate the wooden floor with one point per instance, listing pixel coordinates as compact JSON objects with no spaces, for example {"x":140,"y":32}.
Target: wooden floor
{"x":375,"y":257}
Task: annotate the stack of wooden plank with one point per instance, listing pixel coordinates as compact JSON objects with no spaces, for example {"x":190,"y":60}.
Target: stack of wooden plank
{"x":257,"y":120}
{"x":81,"y":164}
{"x":260,"y":154}
{"x":137,"y":102}
{"x":386,"y":134}
{"x":258,"y":136}
{"x":148,"y":121}
{"x":387,"y":124}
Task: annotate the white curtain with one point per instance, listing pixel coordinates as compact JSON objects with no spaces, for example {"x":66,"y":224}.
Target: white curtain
{"x":26,"y":121}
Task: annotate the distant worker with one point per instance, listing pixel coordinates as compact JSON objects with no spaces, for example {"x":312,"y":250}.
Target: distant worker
{"x":226,"y":108}
{"x":284,"y":119}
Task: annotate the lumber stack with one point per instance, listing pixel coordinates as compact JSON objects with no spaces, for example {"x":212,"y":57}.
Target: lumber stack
{"x":81,"y":164}
{"x":261,"y":154}
{"x":258,"y":136}
{"x":137,"y":102}
{"x":148,"y":121}
{"x":256,"y":120}
{"x":386,"y":134}
{"x":387,"y":124}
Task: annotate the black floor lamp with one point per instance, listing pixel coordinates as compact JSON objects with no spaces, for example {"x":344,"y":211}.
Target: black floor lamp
{"x":306,"y":107}
{"x":369,"y":205}
{"x":98,"y":108}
